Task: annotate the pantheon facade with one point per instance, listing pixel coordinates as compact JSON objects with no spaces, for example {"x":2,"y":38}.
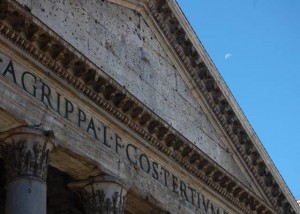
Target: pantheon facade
{"x":114,"y":106}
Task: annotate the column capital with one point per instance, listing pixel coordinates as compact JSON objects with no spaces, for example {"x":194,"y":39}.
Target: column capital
{"x":25,"y":152}
{"x":101,"y":194}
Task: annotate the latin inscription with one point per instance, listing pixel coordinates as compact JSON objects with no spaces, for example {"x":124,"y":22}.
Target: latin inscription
{"x":53,"y":99}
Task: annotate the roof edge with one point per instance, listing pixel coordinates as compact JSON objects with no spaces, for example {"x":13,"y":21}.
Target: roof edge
{"x":222,"y":105}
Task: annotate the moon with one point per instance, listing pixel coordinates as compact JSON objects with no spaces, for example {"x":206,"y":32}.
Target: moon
{"x":227,"y":56}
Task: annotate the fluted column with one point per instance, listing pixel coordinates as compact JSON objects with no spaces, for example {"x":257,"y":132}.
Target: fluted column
{"x":25,"y":151}
{"x":101,"y":195}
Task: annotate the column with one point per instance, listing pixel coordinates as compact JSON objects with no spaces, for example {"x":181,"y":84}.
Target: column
{"x":101,"y":195}
{"x":25,"y":151}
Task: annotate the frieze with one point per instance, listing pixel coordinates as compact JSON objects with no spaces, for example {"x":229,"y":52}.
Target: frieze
{"x":45,"y":93}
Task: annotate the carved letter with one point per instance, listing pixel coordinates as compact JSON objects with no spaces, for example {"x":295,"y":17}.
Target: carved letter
{"x":46,"y":92}
{"x":33,"y":93}
{"x":175,"y":185}
{"x":10,"y":69}
{"x":205,"y":203}
{"x":69,"y":108}
{"x":166,"y":173}
{"x":183,"y":190}
{"x":192,"y":194}
{"x":155,"y":173}
{"x":213,"y":210}
{"x":81,"y":117}
{"x":58,"y":102}
{"x":127,"y":153}
{"x":199,"y":203}
{"x":105,"y":137}
{"x":118,"y":144}
{"x":92,"y":126}
{"x":145,"y":169}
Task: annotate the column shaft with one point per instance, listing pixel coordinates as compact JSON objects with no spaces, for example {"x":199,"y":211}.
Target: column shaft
{"x":25,"y":153}
{"x":25,"y":196}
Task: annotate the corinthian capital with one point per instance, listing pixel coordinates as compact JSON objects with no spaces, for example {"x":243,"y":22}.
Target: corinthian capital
{"x":102,"y":194}
{"x":25,"y":151}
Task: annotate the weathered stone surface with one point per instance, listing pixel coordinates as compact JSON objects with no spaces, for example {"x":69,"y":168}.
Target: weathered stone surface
{"x":24,"y":36}
{"x":92,"y":153}
{"x":119,"y":41}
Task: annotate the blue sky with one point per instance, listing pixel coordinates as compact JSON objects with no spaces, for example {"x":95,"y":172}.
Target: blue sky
{"x":255,"y":44}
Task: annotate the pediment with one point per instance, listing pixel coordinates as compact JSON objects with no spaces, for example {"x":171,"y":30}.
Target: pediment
{"x":138,"y":61}
{"x":120,"y":40}
{"x":166,"y":73}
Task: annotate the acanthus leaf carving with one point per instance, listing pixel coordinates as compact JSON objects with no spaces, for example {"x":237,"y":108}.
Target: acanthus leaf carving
{"x":25,"y":153}
{"x":21,"y":160}
{"x":101,"y":197}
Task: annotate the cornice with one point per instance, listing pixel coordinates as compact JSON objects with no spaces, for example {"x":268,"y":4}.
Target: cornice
{"x":19,"y":27}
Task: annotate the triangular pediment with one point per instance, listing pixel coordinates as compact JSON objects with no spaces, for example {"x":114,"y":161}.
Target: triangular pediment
{"x":134,"y":56}
{"x":156,"y":78}
{"x":128,"y":49}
